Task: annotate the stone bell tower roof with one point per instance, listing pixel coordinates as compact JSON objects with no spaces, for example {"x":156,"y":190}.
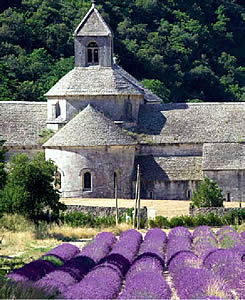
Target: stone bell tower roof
{"x":88,"y":129}
{"x":93,"y":24}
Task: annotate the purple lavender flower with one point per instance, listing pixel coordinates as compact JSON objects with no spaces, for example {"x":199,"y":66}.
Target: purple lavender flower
{"x":177,"y":244}
{"x":63,"y":252}
{"x":183,"y":259}
{"x":146,"y":285}
{"x":131,"y":234}
{"x":57,"y":281}
{"x":156,"y":234}
{"x":78,"y":266}
{"x":106,"y":237}
{"x":229,"y":239}
{"x":179,"y":231}
{"x":225,"y":229}
{"x":240,"y":249}
{"x":32,"y":271}
{"x":203,"y":284}
{"x":202,"y":230}
{"x":242,"y":234}
{"x":103,"y":282}
{"x":143,"y":264}
{"x":96,"y":251}
{"x":215,"y":260}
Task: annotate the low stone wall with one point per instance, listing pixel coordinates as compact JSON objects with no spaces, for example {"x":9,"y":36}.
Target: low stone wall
{"x":99,"y":211}
{"x":220,"y":211}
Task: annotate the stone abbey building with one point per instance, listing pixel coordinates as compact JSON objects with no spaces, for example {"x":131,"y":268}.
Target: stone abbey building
{"x":105,"y":123}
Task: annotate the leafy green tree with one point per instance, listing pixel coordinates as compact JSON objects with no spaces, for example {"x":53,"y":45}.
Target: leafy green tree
{"x":157,"y":87}
{"x":209,"y":194}
{"x":29,"y":189}
{"x":3,"y":174}
{"x":195,"y":48}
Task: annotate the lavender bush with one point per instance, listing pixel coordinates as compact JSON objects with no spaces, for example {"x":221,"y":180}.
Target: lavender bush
{"x":103,"y":282}
{"x":56,"y":282}
{"x":179,"y":231}
{"x":32,"y":271}
{"x":202,"y":230}
{"x":177,"y":244}
{"x":146,"y":285}
{"x":63,"y":252}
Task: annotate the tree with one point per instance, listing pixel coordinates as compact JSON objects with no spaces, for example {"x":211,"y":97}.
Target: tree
{"x":209,"y":194}
{"x":3,"y":174}
{"x":29,"y":189}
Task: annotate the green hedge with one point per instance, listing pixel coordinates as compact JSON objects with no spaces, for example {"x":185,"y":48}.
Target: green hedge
{"x":232,"y":218}
{"x":79,"y":219}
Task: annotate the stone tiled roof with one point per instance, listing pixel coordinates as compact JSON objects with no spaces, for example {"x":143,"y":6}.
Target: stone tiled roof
{"x":93,"y":25}
{"x":148,"y":95}
{"x":155,"y":168}
{"x":22,"y":122}
{"x":89,"y":128}
{"x":94,"y":80}
{"x":224,"y":156}
{"x":192,"y":123}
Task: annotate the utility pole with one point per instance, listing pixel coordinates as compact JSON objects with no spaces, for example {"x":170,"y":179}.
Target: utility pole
{"x":136,"y":196}
{"x":138,"y":221}
{"x":116,"y":196}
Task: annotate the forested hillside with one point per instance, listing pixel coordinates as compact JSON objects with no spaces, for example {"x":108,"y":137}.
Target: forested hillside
{"x":184,"y":50}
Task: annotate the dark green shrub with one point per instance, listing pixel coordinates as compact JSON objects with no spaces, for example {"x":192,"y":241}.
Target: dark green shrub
{"x":78,"y":219}
{"x":199,"y":220}
{"x":188,"y":221}
{"x":176,"y":221}
{"x":160,"y":222}
{"x":208,"y":195}
{"x":213,"y":220}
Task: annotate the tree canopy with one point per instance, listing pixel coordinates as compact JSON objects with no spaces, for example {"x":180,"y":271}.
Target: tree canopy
{"x":3,"y":173}
{"x":29,"y":188}
{"x":184,"y":50}
{"x":209,"y":194}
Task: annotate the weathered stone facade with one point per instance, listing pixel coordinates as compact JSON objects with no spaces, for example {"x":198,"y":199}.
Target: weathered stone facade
{"x":106,"y":123}
{"x":98,"y":211}
{"x":219,"y":211}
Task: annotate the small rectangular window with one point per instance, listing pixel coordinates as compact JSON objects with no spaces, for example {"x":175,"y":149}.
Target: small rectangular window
{"x":96,"y":55}
{"x":228,"y":197}
{"x":90,"y":56}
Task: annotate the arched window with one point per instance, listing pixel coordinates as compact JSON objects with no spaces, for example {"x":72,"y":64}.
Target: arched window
{"x":93,"y":53}
{"x":87,"y":181}
{"x":57,"y":180}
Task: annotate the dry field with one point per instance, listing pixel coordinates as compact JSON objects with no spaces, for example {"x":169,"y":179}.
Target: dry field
{"x":167,"y":208}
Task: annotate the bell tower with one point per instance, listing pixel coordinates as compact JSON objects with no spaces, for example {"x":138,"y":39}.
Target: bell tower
{"x":93,"y":41}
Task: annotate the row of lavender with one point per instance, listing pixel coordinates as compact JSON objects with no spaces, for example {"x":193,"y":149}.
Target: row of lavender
{"x":201,"y":269}
{"x":130,"y":268}
{"x":98,"y":271}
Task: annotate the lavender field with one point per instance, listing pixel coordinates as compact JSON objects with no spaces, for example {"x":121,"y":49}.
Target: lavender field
{"x":180,"y":265}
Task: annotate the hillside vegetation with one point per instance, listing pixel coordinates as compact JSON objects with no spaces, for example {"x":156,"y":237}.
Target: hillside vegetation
{"x":184,"y":50}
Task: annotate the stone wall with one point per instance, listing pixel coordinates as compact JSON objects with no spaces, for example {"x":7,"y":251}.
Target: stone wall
{"x":220,"y":211}
{"x":232,"y":183}
{"x":101,"y":162}
{"x":98,"y":211}
{"x":168,"y":190}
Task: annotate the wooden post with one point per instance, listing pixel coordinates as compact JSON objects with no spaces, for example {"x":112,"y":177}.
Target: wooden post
{"x":116,"y":196}
{"x":138,"y":197}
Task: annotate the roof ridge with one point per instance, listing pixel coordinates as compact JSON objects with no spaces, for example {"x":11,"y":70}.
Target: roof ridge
{"x":85,"y":19}
{"x":90,"y":128}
